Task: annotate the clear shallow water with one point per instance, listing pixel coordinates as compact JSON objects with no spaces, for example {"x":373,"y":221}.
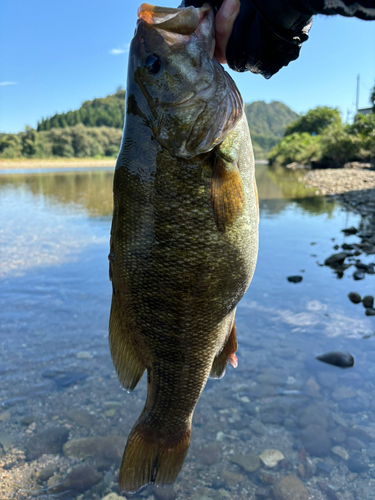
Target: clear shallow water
{"x":55,"y":300}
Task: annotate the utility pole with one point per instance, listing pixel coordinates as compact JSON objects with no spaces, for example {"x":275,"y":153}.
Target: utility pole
{"x":357,"y":100}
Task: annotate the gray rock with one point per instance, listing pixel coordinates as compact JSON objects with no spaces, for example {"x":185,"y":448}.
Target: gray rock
{"x":354,"y":297}
{"x":370,"y":311}
{"x":324,"y":467}
{"x":6,"y":441}
{"x":337,"y":358}
{"x":312,"y":416}
{"x":77,"y":481}
{"x":368,"y":301}
{"x":47,"y":472}
{"x":337,"y":435}
{"x":357,"y":464}
{"x":351,"y":405}
{"x":355,"y":444}
{"x":358,"y":275}
{"x":165,"y":492}
{"x":106,"y":448}
{"x":49,"y":441}
{"x":249,"y":463}
{"x":82,"y":418}
{"x":294,"y":279}
{"x":290,"y":488}
{"x":257,"y":428}
{"x":316,"y":440}
{"x":210,"y":454}
{"x":335,"y":259}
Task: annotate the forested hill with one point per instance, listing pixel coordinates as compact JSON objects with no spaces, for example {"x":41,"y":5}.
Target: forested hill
{"x":267,"y":122}
{"x":105,"y":111}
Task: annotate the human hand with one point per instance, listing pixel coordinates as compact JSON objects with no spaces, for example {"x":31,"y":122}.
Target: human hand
{"x":224,"y":21}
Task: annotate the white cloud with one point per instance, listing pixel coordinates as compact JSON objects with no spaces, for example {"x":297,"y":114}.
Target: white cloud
{"x":7,"y":83}
{"x":122,"y":50}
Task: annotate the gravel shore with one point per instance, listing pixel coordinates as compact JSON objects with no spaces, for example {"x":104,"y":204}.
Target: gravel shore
{"x":354,"y":185}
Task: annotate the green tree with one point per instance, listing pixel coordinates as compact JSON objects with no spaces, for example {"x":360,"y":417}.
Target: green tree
{"x":372,"y":99}
{"x":301,"y":148}
{"x":315,"y":121}
{"x":10,"y":146}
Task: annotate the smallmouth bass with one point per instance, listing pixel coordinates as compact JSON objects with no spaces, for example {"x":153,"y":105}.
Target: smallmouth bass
{"x":184,"y":234}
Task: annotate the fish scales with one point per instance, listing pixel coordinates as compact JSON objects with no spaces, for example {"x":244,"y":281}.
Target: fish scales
{"x":184,"y":233}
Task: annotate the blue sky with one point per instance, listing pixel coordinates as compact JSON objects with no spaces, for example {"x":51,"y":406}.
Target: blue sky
{"x":56,"y":54}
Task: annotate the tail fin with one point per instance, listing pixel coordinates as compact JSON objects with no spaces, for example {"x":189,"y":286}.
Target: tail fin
{"x":148,"y":459}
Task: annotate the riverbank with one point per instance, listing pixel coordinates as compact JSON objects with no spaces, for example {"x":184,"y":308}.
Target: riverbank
{"x":32,"y":163}
{"x":354,"y":186}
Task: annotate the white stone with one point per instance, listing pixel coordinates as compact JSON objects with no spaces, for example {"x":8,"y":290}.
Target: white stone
{"x":84,"y":355}
{"x":341,"y":452}
{"x":270,"y":458}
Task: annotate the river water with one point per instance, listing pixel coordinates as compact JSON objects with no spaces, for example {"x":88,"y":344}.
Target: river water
{"x":57,"y":382}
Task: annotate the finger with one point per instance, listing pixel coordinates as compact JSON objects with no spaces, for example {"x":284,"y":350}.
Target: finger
{"x":224,"y":24}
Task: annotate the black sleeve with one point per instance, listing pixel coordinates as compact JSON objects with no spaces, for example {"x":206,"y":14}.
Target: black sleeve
{"x":268,"y":34}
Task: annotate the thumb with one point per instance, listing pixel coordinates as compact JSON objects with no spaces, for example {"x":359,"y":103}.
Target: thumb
{"x":224,"y":24}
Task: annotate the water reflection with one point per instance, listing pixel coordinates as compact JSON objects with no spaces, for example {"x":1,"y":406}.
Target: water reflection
{"x":63,"y":417}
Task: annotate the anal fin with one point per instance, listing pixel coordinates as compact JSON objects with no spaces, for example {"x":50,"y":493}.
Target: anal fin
{"x":128,"y":366}
{"x":227,"y":355}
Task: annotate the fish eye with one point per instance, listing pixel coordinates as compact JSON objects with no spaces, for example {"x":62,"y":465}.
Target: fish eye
{"x":153,"y":63}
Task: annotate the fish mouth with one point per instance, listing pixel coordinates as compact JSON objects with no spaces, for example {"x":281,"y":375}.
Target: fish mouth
{"x":177,"y":25}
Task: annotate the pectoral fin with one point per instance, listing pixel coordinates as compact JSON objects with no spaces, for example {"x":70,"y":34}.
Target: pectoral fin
{"x":128,"y":366}
{"x":227,"y":193}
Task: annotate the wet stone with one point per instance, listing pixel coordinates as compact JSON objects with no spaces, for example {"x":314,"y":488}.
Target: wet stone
{"x":106,"y":448}
{"x":351,"y":405}
{"x":210,"y":454}
{"x":5,"y":415}
{"x":290,"y":488}
{"x":335,"y":259}
{"x":341,"y":452}
{"x":113,"y":496}
{"x":257,"y":428}
{"x":165,"y":492}
{"x":356,"y":463}
{"x":271,"y":458}
{"x":324,"y":467}
{"x":77,"y":481}
{"x":368,"y":301}
{"x":249,"y":463}
{"x":27,"y":420}
{"x":355,"y":444}
{"x":316,"y":440}
{"x":354,"y":297}
{"x":312,"y":416}
{"x":82,"y":418}
{"x":49,"y":441}
{"x":294,"y":279}
{"x":231,"y":479}
{"x":47,"y":472}
{"x":358,"y":275}
{"x":370,"y":311}
{"x":337,"y":435}
{"x":337,"y":358}
{"x":6,"y":441}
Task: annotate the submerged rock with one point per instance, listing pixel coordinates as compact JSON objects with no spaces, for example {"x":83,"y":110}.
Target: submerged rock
{"x":368,"y":301}
{"x":106,"y":448}
{"x":290,"y":488}
{"x":49,"y":441}
{"x":271,"y":458}
{"x":354,"y":297}
{"x":249,"y":463}
{"x":77,"y":481}
{"x":316,"y":440}
{"x":294,"y":279}
{"x":335,"y":259}
{"x":337,"y":358}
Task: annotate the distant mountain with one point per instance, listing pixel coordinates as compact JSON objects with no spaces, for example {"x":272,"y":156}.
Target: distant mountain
{"x":267,"y":122}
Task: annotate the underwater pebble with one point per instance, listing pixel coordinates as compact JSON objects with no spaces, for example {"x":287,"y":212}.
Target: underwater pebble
{"x":210,"y":454}
{"x":108,"y":448}
{"x":164,"y":492}
{"x":290,"y":488}
{"x":249,"y":463}
{"x":316,"y":440}
{"x":113,"y":496}
{"x":49,"y":441}
{"x":341,"y":452}
{"x":220,"y":436}
{"x":77,"y":481}
{"x":84,"y":355}
{"x":337,"y":358}
{"x":368,"y":301}
{"x":270,"y":457}
{"x":354,"y":297}
{"x":294,"y":279}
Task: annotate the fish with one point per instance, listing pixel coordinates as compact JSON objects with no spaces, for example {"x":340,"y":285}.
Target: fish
{"x":184,"y":235}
